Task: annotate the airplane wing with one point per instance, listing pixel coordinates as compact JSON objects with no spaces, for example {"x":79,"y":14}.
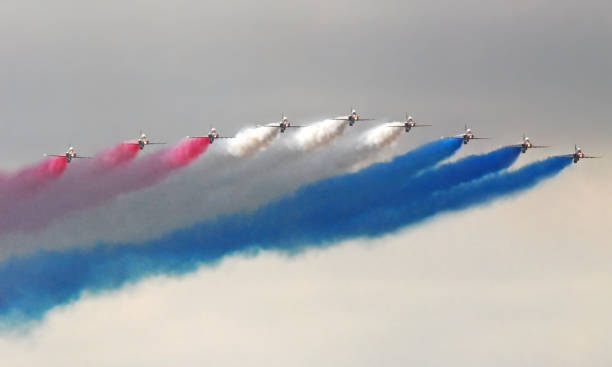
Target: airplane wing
{"x":590,"y":156}
{"x":206,"y":137}
{"x":417,"y":125}
{"x":341,"y":118}
{"x":566,"y":156}
{"x":64,"y":156}
{"x":358,"y":120}
{"x":295,"y":126}
{"x":533,"y":146}
{"x":478,"y":138}
{"x":156,"y":143}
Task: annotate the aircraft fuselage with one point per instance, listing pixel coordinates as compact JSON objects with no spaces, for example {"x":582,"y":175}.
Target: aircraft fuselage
{"x":283,"y":126}
{"x":69,"y":156}
{"x":467,"y":137}
{"x":577,"y":156}
{"x":409,"y":125}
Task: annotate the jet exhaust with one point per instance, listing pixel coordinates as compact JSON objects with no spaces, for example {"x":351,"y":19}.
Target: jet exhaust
{"x":28,"y":181}
{"x":318,"y":135}
{"x":93,"y":183}
{"x":251,"y":140}
{"x":336,"y":200}
{"x":116,"y":155}
{"x":31,"y":285}
{"x":381,"y":136}
{"x":185,"y":152}
{"x":458,"y":197}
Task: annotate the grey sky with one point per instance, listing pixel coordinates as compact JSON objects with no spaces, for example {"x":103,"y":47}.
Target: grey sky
{"x":95,"y":74}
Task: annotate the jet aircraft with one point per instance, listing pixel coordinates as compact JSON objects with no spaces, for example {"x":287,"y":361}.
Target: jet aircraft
{"x":69,"y":155}
{"x":283,"y":124}
{"x":352,"y":118}
{"x":467,"y":136}
{"x":212,"y":136}
{"x":578,"y":155}
{"x":527,"y":144}
{"x":143,"y":140}
{"x":409,"y":123}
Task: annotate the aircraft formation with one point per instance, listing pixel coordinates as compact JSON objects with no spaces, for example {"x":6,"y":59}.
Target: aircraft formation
{"x":352,"y":118}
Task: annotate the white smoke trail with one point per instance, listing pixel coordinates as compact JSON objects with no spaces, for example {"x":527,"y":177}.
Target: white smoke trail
{"x":381,"y":136}
{"x":251,"y":140}
{"x":221,"y":183}
{"x":319,"y":134}
{"x":373,"y":145}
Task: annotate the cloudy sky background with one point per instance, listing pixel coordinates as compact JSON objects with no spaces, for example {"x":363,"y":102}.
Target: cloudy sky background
{"x":521,"y":281}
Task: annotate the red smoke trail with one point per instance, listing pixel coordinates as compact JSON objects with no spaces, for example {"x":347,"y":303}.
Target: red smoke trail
{"x":185,"y":152}
{"x":81,"y":173}
{"x":94,"y":184}
{"x":117,"y":155}
{"x":28,"y":181}
{"x":155,"y":167}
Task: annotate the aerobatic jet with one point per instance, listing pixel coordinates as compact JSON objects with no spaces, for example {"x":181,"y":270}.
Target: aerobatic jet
{"x":352,"y":118}
{"x":212,"y":136}
{"x":526,"y":144}
{"x":143,"y":140}
{"x":283,"y":124}
{"x":409,"y":123}
{"x":467,"y":136}
{"x":578,"y":155}
{"x":69,"y":155}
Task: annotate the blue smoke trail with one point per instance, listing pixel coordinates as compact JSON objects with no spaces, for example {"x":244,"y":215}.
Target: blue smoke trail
{"x":427,"y":155}
{"x":337,"y":200}
{"x":29,"y":286}
{"x":462,"y":196}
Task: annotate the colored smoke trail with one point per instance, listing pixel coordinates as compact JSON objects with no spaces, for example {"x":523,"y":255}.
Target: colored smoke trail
{"x":29,"y":286}
{"x":28,"y":181}
{"x":30,"y":219}
{"x":382,"y":135}
{"x":394,"y":172}
{"x":281,"y":177}
{"x":185,"y":152}
{"x":103,"y":179}
{"x":335,"y":197}
{"x":319,"y":134}
{"x":116,"y":155}
{"x":459,"y":197}
{"x":251,"y":140}
{"x":199,"y":195}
